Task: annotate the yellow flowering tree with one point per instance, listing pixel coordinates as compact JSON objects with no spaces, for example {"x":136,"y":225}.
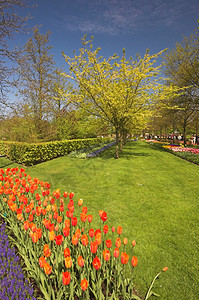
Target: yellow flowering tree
{"x":117,"y":88}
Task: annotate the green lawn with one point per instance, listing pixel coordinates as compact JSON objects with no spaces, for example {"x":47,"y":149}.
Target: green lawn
{"x":154,"y":196}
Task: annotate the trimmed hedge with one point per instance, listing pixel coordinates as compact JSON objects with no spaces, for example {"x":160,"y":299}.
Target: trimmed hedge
{"x":31,"y":154}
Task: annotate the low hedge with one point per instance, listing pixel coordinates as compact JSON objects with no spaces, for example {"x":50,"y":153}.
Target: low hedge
{"x":31,"y":154}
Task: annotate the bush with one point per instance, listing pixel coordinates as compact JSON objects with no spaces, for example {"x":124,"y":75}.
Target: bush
{"x":31,"y":154}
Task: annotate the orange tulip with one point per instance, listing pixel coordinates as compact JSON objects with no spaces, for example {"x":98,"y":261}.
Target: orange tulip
{"x":125,"y":241}
{"x":66,"y":231}
{"x":46,"y":250}
{"x":26,"y":225}
{"x":90,"y":218}
{"x":133,"y":243}
{"x":35,"y":237}
{"x":83,"y":217}
{"x":68,"y":262}
{"x":118,"y":243}
{"x":80,"y":202}
{"x":74,"y":240}
{"x":84,"y":240}
{"x":39,"y":231}
{"x":84,"y":209}
{"x":98,"y":238}
{"x":124,"y":258}
{"x":80,"y":261}
{"x":119,"y":230}
{"x":67,"y":223}
{"x":47,"y":268}
{"x":42,"y":261}
{"x":165,"y":269}
{"x":78,"y":233}
{"x":59,"y":219}
{"x":84,"y":284}
{"x":94,"y":246}
{"x":134,"y":261}
{"x":105,"y":229}
{"x":51,"y":235}
{"x":66,"y":252}
{"x":106,"y":255}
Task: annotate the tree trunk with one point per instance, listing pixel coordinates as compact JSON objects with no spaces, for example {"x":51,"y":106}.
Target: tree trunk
{"x":117,"y":143}
{"x":184,"y":134}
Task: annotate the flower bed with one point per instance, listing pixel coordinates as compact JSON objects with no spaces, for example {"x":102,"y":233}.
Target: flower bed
{"x":55,"y":235}
{"x":13,"y":285}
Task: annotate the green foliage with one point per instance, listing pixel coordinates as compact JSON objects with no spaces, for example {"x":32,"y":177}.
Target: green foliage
{"x":31,"y":154}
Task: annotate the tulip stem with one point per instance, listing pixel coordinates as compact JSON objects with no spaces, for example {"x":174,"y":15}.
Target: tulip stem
{"x":150,"y":288}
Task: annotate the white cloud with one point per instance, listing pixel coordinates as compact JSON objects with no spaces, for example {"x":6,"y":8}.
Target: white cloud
{"x":120,"y":16}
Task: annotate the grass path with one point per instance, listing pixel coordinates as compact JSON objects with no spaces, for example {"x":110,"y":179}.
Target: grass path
{"x":154,"y":196}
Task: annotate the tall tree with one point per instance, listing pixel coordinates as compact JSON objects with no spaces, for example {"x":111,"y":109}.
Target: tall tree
{"x":36,"y":70}
{"x":114,"y":89}
{"x":10,"y":24}
{"x":182,"y":68}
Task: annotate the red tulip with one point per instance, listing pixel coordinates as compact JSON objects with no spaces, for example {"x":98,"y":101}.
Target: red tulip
{"x":108,"y":243}
{"x":66,"y":252}
{"x":66,"y":278}
{"x":59,"y":239}
{"x":116,"y":252}
{"x":104,"y":216}
{"x":74,"y":221}
{"x":96,"y":263}
{"x":91,"y":232}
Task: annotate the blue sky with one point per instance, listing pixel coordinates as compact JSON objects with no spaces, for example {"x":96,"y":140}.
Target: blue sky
{"x":115,"y":24}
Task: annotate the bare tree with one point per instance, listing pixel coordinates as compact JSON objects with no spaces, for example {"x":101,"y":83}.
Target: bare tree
{"x":10,"y":24}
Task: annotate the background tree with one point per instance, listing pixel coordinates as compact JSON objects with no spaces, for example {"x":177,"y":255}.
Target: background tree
{"x":114,"y":89}
{"x":182,"y":68}
{"x":36,"y":70}
{"x":10,"y":24}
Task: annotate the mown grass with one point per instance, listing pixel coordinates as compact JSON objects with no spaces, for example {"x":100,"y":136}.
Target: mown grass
{"x":153,"y":195}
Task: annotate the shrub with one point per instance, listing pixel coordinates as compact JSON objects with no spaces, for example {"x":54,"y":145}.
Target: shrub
{"x":31,"y":154}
